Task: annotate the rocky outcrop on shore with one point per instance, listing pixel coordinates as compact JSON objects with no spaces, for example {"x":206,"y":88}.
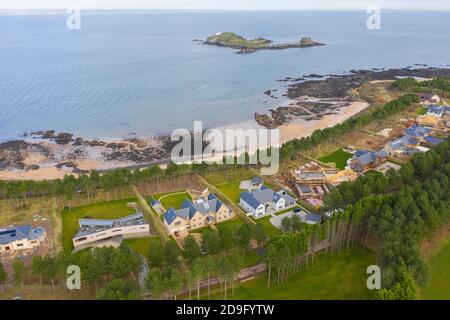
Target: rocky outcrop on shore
{"x":65,"y":152}
{"x":326,"y":94}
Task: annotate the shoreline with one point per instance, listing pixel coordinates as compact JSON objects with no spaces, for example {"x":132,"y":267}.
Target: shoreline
{"x":312,"y":105}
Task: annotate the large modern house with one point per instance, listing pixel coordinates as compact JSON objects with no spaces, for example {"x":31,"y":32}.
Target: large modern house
{"x":105,"y":232}
{"x":197,"y":214}
{"x":366,"y":160}
{"x":21,"y":238}
{"x":257,"y":203}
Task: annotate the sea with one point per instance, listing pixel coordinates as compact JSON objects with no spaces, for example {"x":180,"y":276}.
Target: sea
{"x":140,"y":73}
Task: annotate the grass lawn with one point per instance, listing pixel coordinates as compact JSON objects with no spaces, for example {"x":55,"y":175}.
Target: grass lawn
{"x":341,"y":276}
{"x":268,"y":226}
{"x":141,"y":246}
{"x":231,"y":190}
{"x":103,"y":210}
{"x":438,"y":288}
{"x":421,"y":111}
{"x":231,"y":224}
{"x":173,"y":199}
{"x":338,"y":157}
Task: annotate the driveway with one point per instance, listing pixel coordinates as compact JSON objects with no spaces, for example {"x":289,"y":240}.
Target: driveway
{"x":276,"y":220}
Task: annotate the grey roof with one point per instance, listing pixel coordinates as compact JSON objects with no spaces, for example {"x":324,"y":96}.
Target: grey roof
{"x":250,"y":199}
{"x":403,"y":142}
{"x":188,"y":209}
{"x":311,"y":175}
{"x":89,"y":226}
{"x":304,"y":188}
{"x":312,"y":217}
{"x":257,"y":180}
{"x":264,"y":195}
{"x":417,"y":131}
{"x":287,"y":197}
{"x":370,"y":157}
{"x":19,"y":233}
{"x":433,"y":140}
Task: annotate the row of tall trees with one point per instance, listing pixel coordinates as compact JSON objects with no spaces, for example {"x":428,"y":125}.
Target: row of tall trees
{"x":440,"y":85}
{"x":401,"y":209}
{"x":168,"y":282}
{"x":291,"y":148}
{"x":98,"y":268}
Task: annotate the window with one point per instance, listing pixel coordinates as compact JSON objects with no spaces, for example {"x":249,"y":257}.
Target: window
{"x":81,"y":239}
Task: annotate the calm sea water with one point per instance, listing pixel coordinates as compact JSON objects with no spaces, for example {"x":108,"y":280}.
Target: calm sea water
{"x":140,"y":73}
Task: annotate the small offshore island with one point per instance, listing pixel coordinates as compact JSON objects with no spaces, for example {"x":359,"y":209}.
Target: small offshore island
{"x":245,"y":46}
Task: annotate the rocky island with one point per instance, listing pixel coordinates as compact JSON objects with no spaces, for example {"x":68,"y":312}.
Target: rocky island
{"x":245,"y":46}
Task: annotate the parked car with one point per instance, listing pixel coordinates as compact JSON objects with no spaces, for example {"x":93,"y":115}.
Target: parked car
{"x":297,"y":210}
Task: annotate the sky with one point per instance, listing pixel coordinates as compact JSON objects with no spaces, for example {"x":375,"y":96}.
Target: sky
{"x":226,"y":4}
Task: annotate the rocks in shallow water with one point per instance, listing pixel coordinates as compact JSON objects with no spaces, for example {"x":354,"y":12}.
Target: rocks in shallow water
{"x":63,"y":138}
{"x":78,"y":141}
{"x":95,"y":143}
{"x":32,"y":167}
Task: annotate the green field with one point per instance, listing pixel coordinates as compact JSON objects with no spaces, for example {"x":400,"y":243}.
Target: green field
{"x":421,"y":111}
{"x":103,"y":210}
{"x":338,"y":157}
{"x":438,"y":288}
{"x":173,"y":199}
{"x":268,"y":226}
{"x":342,"y":276}
{"x":231,"y":190}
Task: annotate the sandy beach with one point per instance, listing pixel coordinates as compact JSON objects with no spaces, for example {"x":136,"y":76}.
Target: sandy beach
{"x":301,"y":128}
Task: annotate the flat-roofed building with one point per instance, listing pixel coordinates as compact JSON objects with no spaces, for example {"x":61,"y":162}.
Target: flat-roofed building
{"x":98,"y":232}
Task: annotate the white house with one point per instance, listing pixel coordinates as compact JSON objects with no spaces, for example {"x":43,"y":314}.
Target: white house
{"x":430,"y":98}
{"x":97,"y":232}
{"x":21,"y":238}
{"x":257,"y":203}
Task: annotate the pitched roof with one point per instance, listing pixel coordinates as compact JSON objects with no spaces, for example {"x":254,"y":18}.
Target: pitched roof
{"x":313,"y":218}
{"x":257,"y":180}
{"x":19,"y":233}
{"x":189,"y":209}
{"x":169,"y":216}
{"x":417,"y":131}
{"x":433,"y":140}
{"x":435,"y":109}
{"x":250,"y":199}
{"x":370,"y":156}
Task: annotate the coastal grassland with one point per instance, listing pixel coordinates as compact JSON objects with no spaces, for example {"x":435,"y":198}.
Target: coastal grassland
{"x":337,"y":277}
{"x":102,"y":210}
{"x":377,"y":93}
{"x":338,"y":157}
{"x":22,"y":212}
{"x":438,"y":288}
{"x":172,"y":199}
